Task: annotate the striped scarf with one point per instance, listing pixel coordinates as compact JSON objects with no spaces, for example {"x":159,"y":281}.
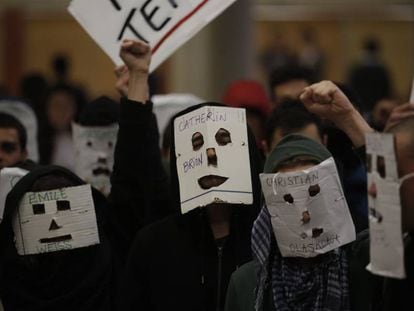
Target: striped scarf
{"x":297,"y":286}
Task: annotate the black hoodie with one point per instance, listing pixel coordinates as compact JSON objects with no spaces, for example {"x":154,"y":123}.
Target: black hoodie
{"x":79,"y":279}
{"x":176,"y":264}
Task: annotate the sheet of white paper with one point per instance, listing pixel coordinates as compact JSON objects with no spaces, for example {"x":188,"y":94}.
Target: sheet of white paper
{"x":218,"y":131}
{"x":94,"y":154}
{"x":56,"y":220}
{"x":27,"y":117}
{"x":166,"y":106}
{"x":386,"y":238}
{"x":412,"y":93}
{"x":309,"y":212}
{"x":164,"y":24}
{"x":9,"y":176}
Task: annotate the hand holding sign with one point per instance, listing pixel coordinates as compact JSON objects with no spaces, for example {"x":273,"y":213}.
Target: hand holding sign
{"x":326,"y":100}
{"x":137,"y":57}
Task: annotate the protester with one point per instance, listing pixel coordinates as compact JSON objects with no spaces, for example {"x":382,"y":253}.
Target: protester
{"x":94,"y":141}
{"x":55,"y":138}
{"x":308,"y":278}
{"x":46,"y":262}
{"x":288,"y":83}
{"x":382,"y":111}
{"x":326,"y":100}
{"x":184,"y":262}
{"x":13,"y":139}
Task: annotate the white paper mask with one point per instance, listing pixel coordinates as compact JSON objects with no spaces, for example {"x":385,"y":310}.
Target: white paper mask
{"x":22,"y":112}
{"x":55,"y":220}
{"x":386,"y":239}
{"x":94,"y":154}
{"x":213,"y":162}
{"x":9,"y":176}
{"x":308,"y":209}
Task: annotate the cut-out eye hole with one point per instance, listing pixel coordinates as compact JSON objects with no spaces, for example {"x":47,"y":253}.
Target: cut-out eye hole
{"x":288,"y":198}
{"x":38,"y":209}
{"x":63,"y":205}
{"x":197,"y":141}
{"x":381,"y":166}
{"x":369,"y":163}
{"x":314,"y":190}
{"x":223,"y":137}
{"x":110,"y":144}
{"x":316,"y":232}
{"x":89,"y":143}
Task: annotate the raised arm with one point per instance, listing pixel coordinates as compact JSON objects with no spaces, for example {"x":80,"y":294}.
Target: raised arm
{"x":139,"y":184}
{"x":326,"y":100}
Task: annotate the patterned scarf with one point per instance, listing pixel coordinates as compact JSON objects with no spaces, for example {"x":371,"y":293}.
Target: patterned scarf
{"x":297,"y":285}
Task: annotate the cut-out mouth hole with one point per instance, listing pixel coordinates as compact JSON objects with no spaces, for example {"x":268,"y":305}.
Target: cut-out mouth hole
{"x":288,"y":198}
{"x":316,"y":232}
{"x":57,"y":239}
{"x":210,"y":181}
{"x":101,"y":171}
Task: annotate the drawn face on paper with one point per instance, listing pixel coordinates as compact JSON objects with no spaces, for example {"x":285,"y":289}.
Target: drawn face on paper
{"x":212,"y":153}
{"x":55,"y":220}
{"x":309,"y":213}
{"x":384,"y":203}
{"x":94,"y":151}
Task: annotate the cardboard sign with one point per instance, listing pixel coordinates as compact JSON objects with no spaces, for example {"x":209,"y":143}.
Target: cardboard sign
{"x":386,"y":238}
{"x":309,"y":212}
{"x":22,"y":112}
{"x":166,"y":106}
{"x":55,"y":220}
{"x":164,"y":24}
{"x":94,"y":154}
{"x":213,"y":161}
{"x":9,"y":176}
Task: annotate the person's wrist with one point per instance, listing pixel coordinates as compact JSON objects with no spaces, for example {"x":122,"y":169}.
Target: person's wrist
{"x":355,"y":126}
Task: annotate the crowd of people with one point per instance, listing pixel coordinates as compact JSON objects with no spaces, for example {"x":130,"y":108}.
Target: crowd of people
{"x":254,"y":203}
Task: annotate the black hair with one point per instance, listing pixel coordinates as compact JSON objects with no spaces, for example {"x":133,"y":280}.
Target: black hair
{"x":290,"y":116}
{"x":102,"y":111}
{"x":289,"y":73}
{"x":8,"y":121}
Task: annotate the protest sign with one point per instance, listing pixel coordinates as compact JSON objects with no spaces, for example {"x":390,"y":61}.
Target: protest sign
{"x":164,"y":24}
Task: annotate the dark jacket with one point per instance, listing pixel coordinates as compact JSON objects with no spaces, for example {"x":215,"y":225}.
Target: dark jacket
{"x":86,"y":279}
{"x":363,"y":286}
{"x":176,"y":264}
{"x":79,"y":279}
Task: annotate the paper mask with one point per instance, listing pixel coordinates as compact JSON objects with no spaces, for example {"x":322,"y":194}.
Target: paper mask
{"x":309,"y":212}
{"x":9,"y":176}
{"x":94,"y":154}
{"x":386,"y":239}
{"x":22,"y":112}
{"x":213,"y":162}
{"x":55,"y":220}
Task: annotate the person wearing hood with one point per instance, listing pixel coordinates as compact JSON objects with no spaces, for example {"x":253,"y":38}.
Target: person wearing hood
{"x":184,"y":261}
{"x":303,"y":259}
{"x":59,"y":249}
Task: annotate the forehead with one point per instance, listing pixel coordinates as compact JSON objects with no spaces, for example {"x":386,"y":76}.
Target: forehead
{"x":8,"y":134}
